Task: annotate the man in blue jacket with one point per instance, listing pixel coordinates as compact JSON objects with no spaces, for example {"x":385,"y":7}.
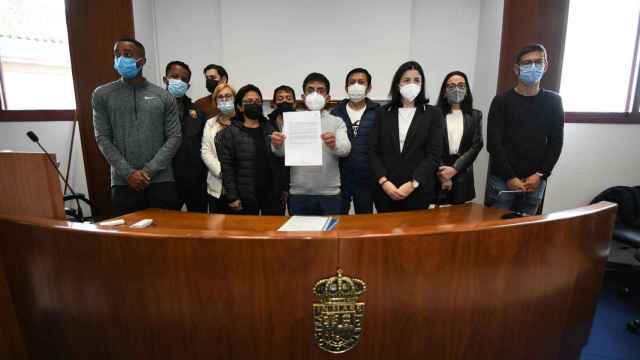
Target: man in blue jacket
{"x":359,"y":115}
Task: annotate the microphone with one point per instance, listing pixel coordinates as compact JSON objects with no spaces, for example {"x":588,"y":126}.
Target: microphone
{"x":35,"y":139}
{"x":512,"y":214}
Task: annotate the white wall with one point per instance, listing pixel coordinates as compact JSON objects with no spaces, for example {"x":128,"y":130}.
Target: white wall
{"x":485,"y":80}
{"x":55,"y":136}
{"x":269,"y":43}
{"x":594,"y":157}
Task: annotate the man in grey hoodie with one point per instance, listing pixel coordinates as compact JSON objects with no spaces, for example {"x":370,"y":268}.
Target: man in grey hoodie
{"x":315,"y":190}
{"x":138,"y":131}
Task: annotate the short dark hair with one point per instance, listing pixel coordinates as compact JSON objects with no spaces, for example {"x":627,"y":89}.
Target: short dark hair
{"x":283,"y":88}
{"x":316,"y":77}
{"x":466,"y":105}
{"x":357,"y":71}
{"x":394,"y":91}
{"x":137,"y":43}
{"x":218,"y":68}
{"x":179,"y":63}
{"x":243,"y":91}
{"x":531,"y":48}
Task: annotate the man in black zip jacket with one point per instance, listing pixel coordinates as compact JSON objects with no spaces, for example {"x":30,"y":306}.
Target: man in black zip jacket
{"x":359,"y":114}
{"x":284,"y":100}
{"x":188,"y":168}
{"x":524,"y":136}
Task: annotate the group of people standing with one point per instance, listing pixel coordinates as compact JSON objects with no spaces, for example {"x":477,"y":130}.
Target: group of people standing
{"x":221,"y":154}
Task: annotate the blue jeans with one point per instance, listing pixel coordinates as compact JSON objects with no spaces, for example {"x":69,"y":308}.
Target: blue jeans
{"x":361,"y":196}
{"x":314,"y":204}
{"x":527,"y":203}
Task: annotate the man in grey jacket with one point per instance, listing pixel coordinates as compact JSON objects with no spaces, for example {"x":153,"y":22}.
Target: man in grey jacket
{"x":138,"y":132}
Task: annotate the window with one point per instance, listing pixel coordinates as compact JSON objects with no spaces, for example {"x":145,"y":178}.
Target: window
{"x":35,"y":66}
{"x":600,"y":66}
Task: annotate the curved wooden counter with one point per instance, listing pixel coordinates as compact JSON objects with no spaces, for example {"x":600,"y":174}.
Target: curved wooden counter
{"x":451,"y":283}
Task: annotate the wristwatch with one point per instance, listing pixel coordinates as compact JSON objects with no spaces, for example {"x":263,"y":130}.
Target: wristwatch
{"x":415,"y":184}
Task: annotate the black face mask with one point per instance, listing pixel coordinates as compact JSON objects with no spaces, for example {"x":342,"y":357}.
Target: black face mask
{"x":253,"y":111}
{"x":212,"y":84}
{"x":284,"y":107}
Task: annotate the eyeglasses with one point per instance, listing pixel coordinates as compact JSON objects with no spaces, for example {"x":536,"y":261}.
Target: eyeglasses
{"x":538,"y":62}
{"x":461,"y":86}
{"x":225,"y":97}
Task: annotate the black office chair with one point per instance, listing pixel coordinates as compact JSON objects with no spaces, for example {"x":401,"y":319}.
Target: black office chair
{"x":627,"y":228}
{"x":630,"y":236}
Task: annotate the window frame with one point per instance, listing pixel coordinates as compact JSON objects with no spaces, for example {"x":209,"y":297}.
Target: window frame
{"x":33,"y":115}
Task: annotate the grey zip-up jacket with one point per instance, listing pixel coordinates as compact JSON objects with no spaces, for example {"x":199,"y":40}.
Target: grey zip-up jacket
{"x":136,"y":127}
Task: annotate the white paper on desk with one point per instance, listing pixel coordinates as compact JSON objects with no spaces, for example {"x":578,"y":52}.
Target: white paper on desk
{"x":305,"y":223}
{"x":303,"y":145}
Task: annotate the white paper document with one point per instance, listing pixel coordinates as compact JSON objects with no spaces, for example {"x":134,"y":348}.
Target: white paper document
{"x":303,"y":145}
{"x":306,"y":223}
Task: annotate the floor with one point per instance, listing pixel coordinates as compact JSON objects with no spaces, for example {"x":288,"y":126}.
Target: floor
{"x":609,"y":338}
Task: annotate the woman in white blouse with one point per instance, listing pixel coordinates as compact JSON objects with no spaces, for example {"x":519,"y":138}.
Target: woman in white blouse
{"x":405,"y":144}
{"x":462,"y":139}
{"x":224,"y":95}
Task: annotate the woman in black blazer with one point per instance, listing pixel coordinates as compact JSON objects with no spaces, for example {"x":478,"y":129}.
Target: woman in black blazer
{"x":462,"y":140}
{"x":405,"y":145}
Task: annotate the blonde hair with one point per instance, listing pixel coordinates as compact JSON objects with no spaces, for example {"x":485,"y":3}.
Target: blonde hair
{"x":221,"y":87}
{"x":217,"y":92}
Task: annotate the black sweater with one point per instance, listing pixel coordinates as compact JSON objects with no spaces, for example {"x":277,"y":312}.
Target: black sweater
{"x":525,"y":134}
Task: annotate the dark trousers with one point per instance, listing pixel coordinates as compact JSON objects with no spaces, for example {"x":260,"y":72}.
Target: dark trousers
{"x":217,"y":206}
{"x":192,"y":194}
{"x":315,"y":204}
{"x":159,"y":195}
{"x":265,"y":203}
{"x":361,"y":197}
{"x":416,"y":201}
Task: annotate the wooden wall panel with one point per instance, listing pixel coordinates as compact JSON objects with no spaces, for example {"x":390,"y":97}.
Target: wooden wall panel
{"x":93,"y":28}
{"x":534,"y":21}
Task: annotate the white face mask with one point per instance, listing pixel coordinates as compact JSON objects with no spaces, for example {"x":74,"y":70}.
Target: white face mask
{"x":357,"y":92}
{"x":410,"y":91}
{"x":314,"y":101}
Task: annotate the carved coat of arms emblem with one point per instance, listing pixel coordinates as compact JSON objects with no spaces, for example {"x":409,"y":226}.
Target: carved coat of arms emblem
{"x":338,"y":317}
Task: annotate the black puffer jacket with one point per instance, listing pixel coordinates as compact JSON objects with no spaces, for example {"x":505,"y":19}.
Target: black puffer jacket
{"x":237,"y":156}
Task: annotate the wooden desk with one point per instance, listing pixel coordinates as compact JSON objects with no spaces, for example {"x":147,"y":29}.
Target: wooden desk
{"x":451,"y":283}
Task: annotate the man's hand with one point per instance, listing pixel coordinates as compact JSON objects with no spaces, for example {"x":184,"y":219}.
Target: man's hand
{"x":406,"y":189}
{"x":277,"y":139}
{"x":447,"y":172}
{"x":139,"y":180}
{"x":516,"y":184}
{"x":532,"y":182}
{"x":447,"y":185}
{"x":392,"y":191}
{"x":329,"y":139}
{"x":236,"y":205}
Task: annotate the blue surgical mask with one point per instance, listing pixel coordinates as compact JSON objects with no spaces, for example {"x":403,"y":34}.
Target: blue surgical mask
{"x":177,"y":87}
{"x":226,"y":107}
{"x":127,"y":67}
{"x":531,"y":74}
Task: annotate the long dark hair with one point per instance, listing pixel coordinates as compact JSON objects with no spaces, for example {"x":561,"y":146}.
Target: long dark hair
{"x":239,"y":97}
{"x":394,"y":91}
{"x":466,"y":105}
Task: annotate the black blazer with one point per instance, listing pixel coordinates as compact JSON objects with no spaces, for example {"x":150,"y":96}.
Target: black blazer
{"x":463,"y":189}
{"x":421,"y":155}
